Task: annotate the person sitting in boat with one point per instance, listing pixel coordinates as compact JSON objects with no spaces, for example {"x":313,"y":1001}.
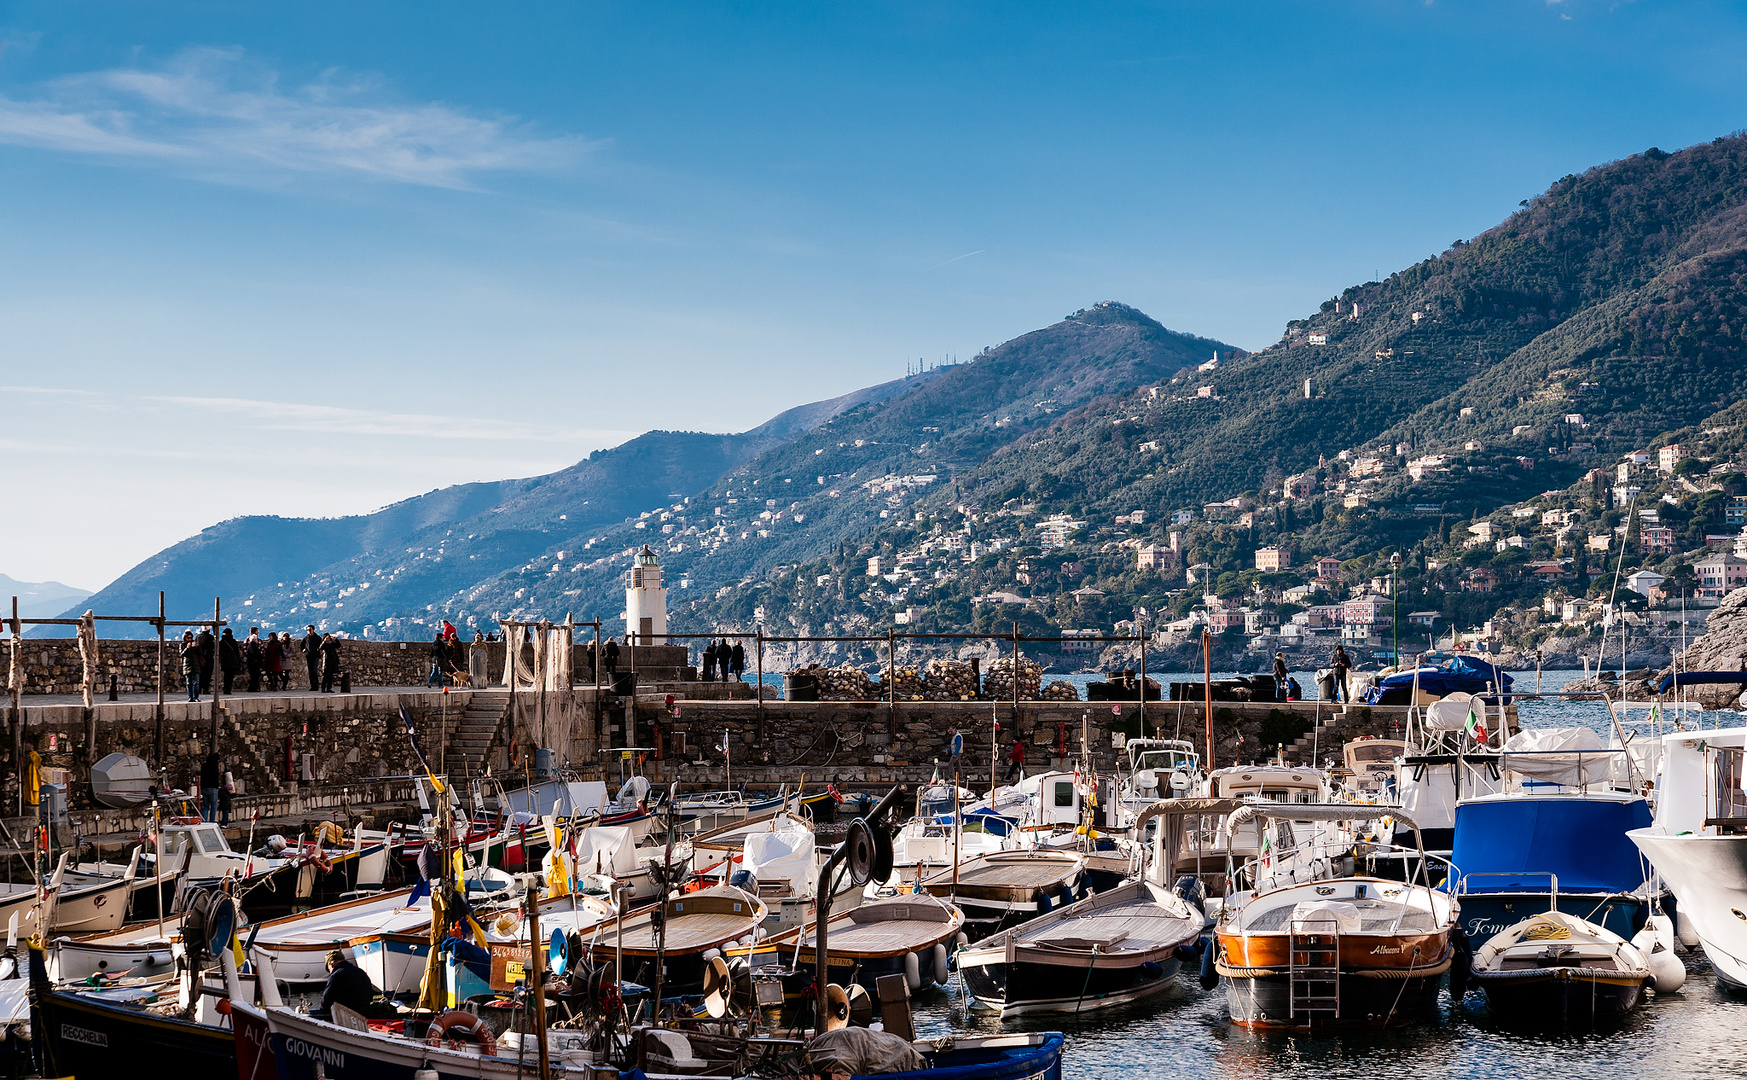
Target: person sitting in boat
{"x":347,"y":986}
{"x":844,"y":1051}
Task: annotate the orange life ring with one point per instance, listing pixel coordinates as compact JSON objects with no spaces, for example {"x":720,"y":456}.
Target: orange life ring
{"x":459,"y":1026}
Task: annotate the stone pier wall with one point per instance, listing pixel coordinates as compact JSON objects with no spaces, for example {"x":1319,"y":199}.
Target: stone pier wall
{"x":52,"y":665}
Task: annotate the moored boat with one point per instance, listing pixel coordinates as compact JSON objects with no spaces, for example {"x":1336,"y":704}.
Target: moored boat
{"x":1003,"y":888}
{"x":1336,"y":952}
{"x":1555,"y":968}
{"x":909,"y":935}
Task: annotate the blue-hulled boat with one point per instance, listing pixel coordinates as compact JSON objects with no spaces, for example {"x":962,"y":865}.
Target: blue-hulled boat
{"x":1516,"y":849}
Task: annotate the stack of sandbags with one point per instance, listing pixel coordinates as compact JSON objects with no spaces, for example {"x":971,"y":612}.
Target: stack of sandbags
{"x":950,"y":680}
{"x":909,"y":685}
{"x":1060,"y":691}
{"x":998,"y":683}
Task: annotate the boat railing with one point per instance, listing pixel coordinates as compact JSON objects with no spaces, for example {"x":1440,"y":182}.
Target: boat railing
{"x":1462,"y":888}
{"x":1329,"y":848}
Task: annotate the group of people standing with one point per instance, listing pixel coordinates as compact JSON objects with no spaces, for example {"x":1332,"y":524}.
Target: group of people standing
{"x":271,"y":659}
{"x":451,"y":661}
{"x":723,"y":661}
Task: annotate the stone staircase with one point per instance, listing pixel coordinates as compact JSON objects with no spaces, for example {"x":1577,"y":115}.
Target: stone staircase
{"x":476,"y":733}
{"x":1328,"y":741}
{"x":265,"y":778}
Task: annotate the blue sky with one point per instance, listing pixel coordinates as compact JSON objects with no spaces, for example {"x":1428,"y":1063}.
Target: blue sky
{"x":312,"y":258}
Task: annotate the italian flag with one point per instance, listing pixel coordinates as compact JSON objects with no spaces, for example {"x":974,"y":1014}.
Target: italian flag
{"x":1475,"y":726}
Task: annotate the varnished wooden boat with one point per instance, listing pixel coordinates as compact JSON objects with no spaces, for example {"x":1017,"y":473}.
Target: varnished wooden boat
{"x":1003,"y":888}
{"x":712,"y":918}
{"x":1357,"y":951}
{"x":908,"y":935}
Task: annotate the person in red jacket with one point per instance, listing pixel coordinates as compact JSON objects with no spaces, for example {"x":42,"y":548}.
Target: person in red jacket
{"x":1016,"y":758}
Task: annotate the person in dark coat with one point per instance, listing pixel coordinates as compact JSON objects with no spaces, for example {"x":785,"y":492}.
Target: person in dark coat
{"x":439,"y":660}
{"x":1342,"y":664}
{"x":191,"y":664}
{"x":347,"y":985}
{"x":254,"y":658}
{"x":710,"y":662}
{"x":273,"y":656}
{"x":1280,"y":676}
{"x":330,"y":654}
{"x":738,"y":659}
{"x":611,"y":652}
{"x":312,"y":656}
{"x":230,"y":657}
{"x":208,"y":653}
{"x":211,"y":781}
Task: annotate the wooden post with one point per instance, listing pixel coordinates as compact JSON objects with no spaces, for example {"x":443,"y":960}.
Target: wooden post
{"x":537,"y":974}
{"x":18,"y":710}
{"x":217,"y":668}
{"x":1141,"y":626}
{"x":891,"y":684}
{"x":158,"y":741}
{"x":1207,"y":701}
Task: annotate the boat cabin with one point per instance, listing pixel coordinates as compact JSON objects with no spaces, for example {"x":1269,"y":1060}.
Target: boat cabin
{"x":1270,"y":783}
{"x":1163,"y":768}
{"x":208,"y":853}
{"x":1375,"y":764}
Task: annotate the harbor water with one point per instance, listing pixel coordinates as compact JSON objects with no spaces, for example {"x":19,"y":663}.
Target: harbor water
{"x":1188,"y":1034}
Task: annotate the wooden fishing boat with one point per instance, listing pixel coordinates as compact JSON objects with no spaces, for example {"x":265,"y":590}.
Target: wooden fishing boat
{"x":89,"y":903}
{"x":1109,"y":949}
{"x":695,"y":923}
{"x":908,"y":935}
{"x":1002,"y":888}
{"x":299,"y":944}
{"x":145,"y":950}
{"x":1336,"y":952}
{"x":1555,"y":968}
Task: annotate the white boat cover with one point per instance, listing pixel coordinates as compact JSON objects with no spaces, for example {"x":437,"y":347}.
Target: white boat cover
{"x":1451,"y":713}
{"x":785,"y":854}
{"x":1573,"y":755}
{"x":606,"y":849}
{"x":1314,"y":917}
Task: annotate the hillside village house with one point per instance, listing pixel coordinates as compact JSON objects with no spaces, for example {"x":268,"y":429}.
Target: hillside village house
{"x":1669,"y":456}
{"x":1718,"y":575}
{"x":1156,"y":557}
{"x":1644,"y":581}
{"x":1272,"y":560}
{"x":1657,"y":540}
{"x":1481,"y":579}
{"x":1638,"y":457}
{"x":1361,"y":615}
{"x":1482,"y":532}
{"x":1328,"y":569}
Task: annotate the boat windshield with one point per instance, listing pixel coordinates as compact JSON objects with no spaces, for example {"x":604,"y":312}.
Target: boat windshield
{"x":1164,"y":760}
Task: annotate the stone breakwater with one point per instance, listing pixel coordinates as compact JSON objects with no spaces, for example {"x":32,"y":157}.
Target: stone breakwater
{"x":52,"y":665}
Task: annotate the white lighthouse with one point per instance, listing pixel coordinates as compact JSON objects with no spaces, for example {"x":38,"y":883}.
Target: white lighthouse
{"x":645,"y":601}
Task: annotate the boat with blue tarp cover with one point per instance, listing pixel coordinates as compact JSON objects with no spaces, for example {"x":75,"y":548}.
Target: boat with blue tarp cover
{"x":1515,"y":850}
{"x":1460,"y":674}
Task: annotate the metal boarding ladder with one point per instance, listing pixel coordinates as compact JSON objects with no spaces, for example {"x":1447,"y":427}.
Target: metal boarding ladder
{"x":1314,"y":968}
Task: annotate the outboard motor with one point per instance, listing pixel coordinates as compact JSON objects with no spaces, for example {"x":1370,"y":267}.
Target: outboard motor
{"x":1191,"y":889}
{"x":745,"y":881}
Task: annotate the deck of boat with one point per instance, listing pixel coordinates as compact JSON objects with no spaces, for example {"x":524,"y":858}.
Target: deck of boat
{"x":1138,"y":925}
{"x":888,"y":927}
{"x":1383,"y":918}
{"x":1033,"y":872}
{"x":700,"y":921}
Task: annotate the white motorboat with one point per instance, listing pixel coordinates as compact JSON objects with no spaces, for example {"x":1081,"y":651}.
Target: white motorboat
{"x":1697,"y":842}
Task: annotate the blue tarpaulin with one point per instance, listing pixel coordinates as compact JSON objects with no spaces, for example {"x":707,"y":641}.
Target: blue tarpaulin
{"x":1695,"y":678}
{"x":1582,"y":840}
{"x":1464,"y":674}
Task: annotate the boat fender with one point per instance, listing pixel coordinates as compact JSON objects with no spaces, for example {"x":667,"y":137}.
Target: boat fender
{"x":458,"y":1026}
{"x":1209,"y":975}
{"x":1684,"y":929}
{"x":1186,"y":953}
{"x":1461,"y":962}
{"x":426,"y":1073}
{"x":961,"y":940}
{"x":941,"y":972}
{"x":711,"y":954}
{"x":912,"y":972}
{"x":1667,"y":973}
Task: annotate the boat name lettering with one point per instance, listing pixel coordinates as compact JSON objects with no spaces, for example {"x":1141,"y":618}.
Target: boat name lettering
{"x":84,"y":1035}
{"x":323,"y":1054}
{"x":1382,"y":949}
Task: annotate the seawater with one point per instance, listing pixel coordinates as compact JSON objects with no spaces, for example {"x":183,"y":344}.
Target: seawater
{"x":1188,"y":1033}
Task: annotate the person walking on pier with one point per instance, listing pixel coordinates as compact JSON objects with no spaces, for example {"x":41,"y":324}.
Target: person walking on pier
{"x":1342,"y":664}
{"x":1280,"y":676}
{"x":710,"y":662}
{"x":230,"y":657}
{"x":211,"y":779}
{"x":610,"y":652}
{"x":312,"y":657}
{"x":739,"y":660}
{"x":1016,"y":759}
{"x":439,"y":660}
{"x":191,"y":665}
{"x":208,"y":652}
{"x":956,"y":745}
{"x":254,"y":658}
{"x":330,"y":653}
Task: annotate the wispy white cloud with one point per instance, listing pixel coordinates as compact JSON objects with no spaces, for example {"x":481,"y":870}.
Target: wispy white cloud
{"x":336,"y":420}
{"x":213,"y":113}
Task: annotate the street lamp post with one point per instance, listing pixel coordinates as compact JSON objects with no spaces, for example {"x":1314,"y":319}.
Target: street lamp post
{"x":1395,"y":606}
